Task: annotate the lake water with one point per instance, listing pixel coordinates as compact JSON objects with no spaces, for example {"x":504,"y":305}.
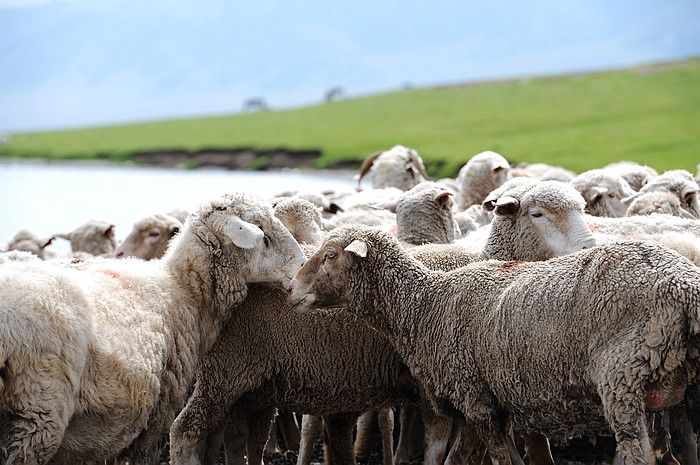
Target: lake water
{"x":52,"y":198}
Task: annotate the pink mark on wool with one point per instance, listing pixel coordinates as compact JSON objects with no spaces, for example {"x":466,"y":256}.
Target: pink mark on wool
{"x":507,"y":266}
{"x":123,"y":281}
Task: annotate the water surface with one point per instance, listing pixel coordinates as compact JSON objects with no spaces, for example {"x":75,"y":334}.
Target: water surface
{"x":52,"y":198}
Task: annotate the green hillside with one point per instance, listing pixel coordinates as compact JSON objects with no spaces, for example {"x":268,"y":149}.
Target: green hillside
{"x":649,"y":114}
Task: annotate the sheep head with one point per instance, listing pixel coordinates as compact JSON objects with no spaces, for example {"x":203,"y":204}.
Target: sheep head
{"x":238,"y":241}
{"x":323,"y":281}
{"x":537,"y":222}
{"x":149,"y":237}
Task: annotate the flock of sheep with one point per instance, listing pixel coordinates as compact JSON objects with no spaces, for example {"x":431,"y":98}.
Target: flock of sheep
{"x":494,"y":313}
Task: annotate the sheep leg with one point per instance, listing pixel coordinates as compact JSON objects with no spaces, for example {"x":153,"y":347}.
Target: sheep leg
{"x":436,"y":436}
{"x":537,"y":449}
{"x":35,"y":433}
{"x":190,"y":430}
{"x":337,"y":436}
{"x":213,"y":447}
{"x":463,"y":442}
{"x":385,"y":418}
{"x":272,"y":447}
{"x":310,"y":427}
{"x":633,"y":445}
{"x":363,"y":438}
{"x":407,"y":415}
{"x":259,"y":427}
{"x":688,"y":437}
{"x":235,"y":435}
{"x":287,"y":423}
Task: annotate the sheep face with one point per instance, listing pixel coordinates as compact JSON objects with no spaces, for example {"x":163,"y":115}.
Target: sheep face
{"x":681,"y":184}
{"x":538,"y":222}
{"x":269,"y":251}
{"x":322,"y":281}
{"x":149,"y":237}
{"x":604,"y":192}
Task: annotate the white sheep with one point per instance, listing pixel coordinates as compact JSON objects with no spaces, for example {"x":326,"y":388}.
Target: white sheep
{"x":74,"y":388}
{"x":636,"y":175}
{"x":533,"y":220}
{"x":610,"y":332}
{"x":31,"y":241}
{"x":678,"y":182}
{"x":603,"y":191}
{"x":149,"y":237}
{"x":654,"y":203}
{"x":483,"y":173}
{"x":424,"y":215}
{"x":543,"y":172}
{"x":94,"y":237}
{"x":399,"y":167}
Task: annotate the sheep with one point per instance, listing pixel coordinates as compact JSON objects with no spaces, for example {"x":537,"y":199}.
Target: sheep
{"x":31,"y":241}
{"x":621,"y":325}
{"x":534,"y":220}
{"x":543,"y":172}
{"x":678,"y":182}
{"x":149,"y":237}
{"x":94,"y":237}
{"x":636,"y":175}
{"x":399,"y":167}
{"x":73,"y":387}
{"x":483,"y":173}
{"x":424,"y":215}
{"x":321,"y":200}
{"x":258,"y":361}
{"x":603,"y":191}
{"x":650,"y":203}
{"x":301,"y":217}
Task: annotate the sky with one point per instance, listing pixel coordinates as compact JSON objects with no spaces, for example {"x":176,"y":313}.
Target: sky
{"x":81,"y":63}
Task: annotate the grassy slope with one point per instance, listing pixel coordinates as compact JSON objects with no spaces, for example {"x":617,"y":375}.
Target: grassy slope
{"x":649,"y":114}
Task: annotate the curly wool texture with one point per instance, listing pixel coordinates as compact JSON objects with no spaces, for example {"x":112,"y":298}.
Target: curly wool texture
{"x":75,"y":388}
{"x":552,"y":345}
{"x":267,"y":355}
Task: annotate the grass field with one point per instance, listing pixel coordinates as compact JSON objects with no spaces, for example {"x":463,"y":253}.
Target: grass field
{"x":648,"y":114}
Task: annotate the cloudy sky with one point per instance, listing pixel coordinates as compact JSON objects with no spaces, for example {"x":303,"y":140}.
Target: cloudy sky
{"x":75,"y":63}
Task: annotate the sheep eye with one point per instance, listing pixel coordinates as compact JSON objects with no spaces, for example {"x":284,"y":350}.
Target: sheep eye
{"x":536,"y":214}
{"x":154,"y":234}
{"x":331,"y":255}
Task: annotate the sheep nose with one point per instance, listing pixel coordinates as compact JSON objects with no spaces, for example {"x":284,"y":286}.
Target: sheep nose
{"x":119,"y":254}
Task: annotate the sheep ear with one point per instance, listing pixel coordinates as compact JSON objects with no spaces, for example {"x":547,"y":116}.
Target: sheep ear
{"x":388,"y":205}
{"x":243,"y":234}
{"x":357,"y":247}
{"x":687,"y":193}
{"x":506,"y":206}
{"x":442,"y":199}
